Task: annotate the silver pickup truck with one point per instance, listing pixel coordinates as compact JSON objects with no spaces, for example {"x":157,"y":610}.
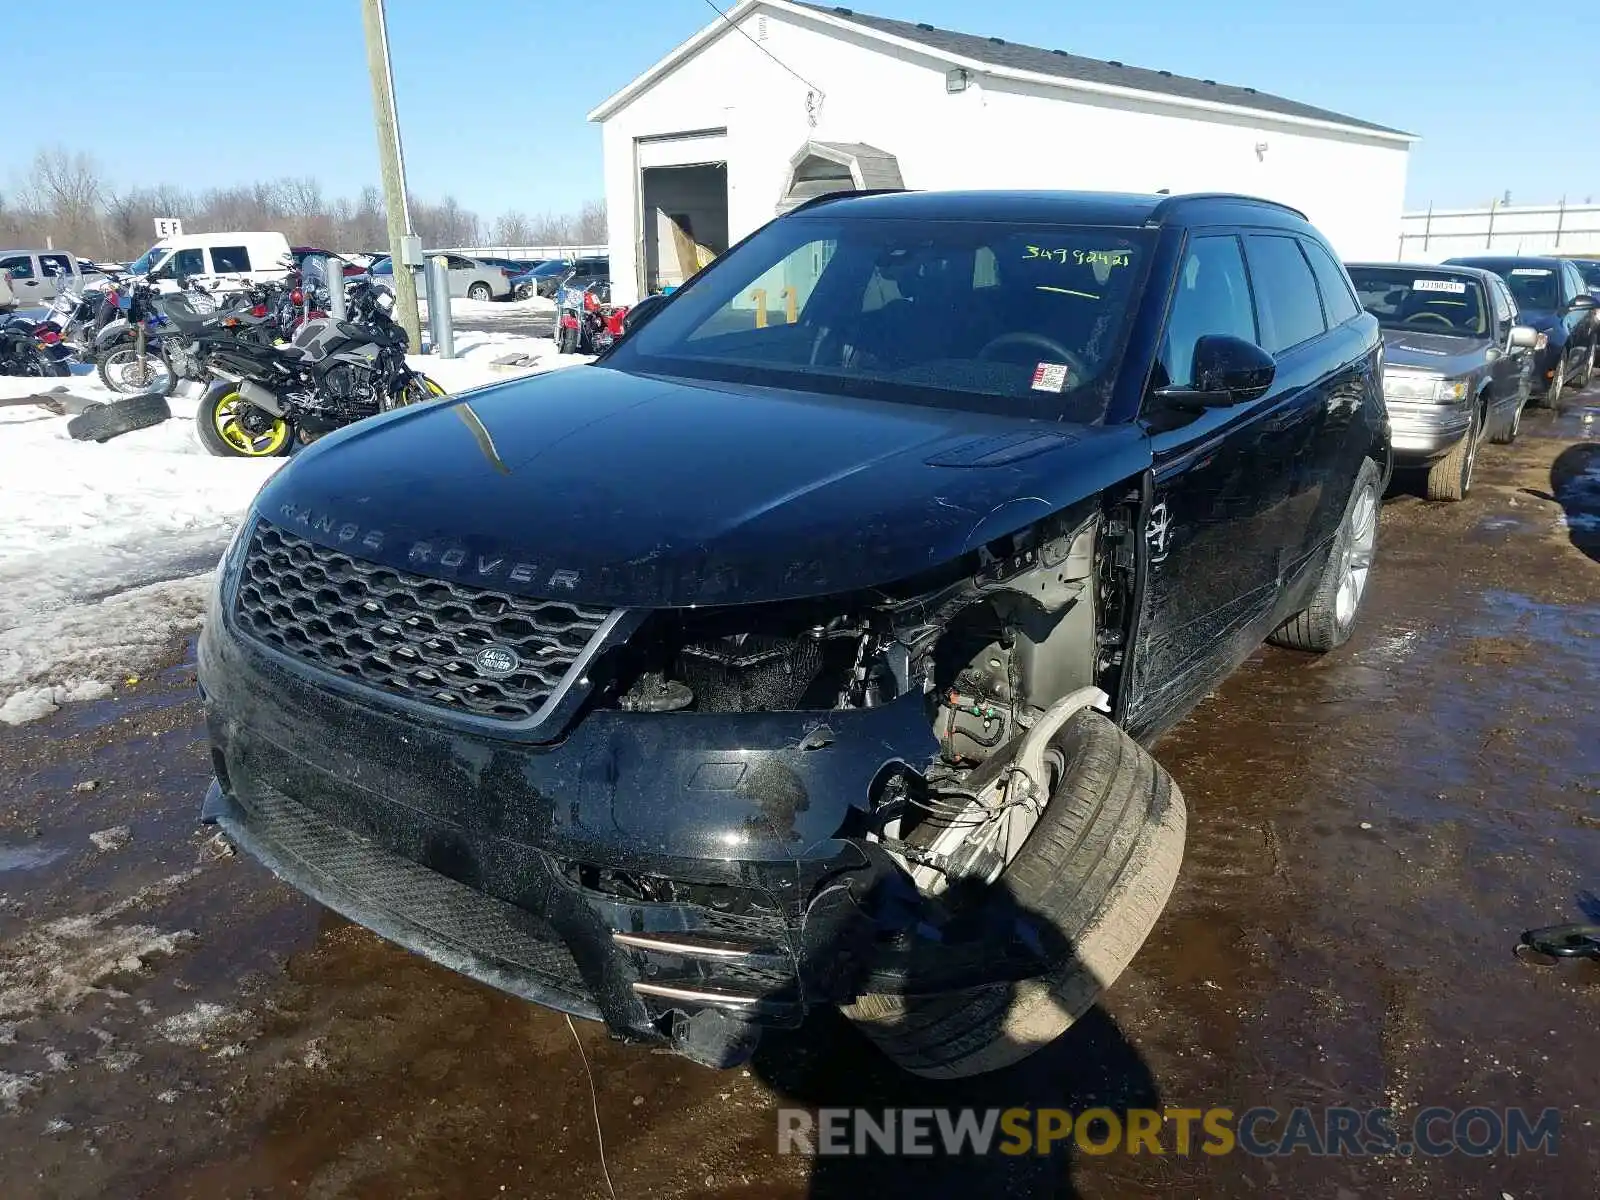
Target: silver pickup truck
{"x":35,"y":276}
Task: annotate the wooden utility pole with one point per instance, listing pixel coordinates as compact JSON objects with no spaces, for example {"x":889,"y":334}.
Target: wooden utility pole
{"x":392,"y":163}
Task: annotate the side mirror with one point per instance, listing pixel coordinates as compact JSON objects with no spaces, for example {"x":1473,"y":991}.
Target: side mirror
{"x":1226,"y":370}
{"x":1582,"y":303}
{"x":641,"y":312}
{"x":1523,"y":337}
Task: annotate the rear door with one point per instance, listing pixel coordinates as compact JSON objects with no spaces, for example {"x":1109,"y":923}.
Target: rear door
{"x":1212,"y":536}
{"x":1334,"y":435}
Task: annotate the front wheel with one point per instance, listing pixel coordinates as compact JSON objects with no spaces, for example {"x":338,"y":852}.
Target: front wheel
{"x":1327,"y":622}
{"x":1451,"y":477}
{"x":419,"y":388}
{"x":231,"y":427}
{"x":1087,"y":884}
{"x":480,"y":292}
{"x":122,"y":372}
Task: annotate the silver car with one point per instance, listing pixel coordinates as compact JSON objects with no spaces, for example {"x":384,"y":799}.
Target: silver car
{"x":469,"y":278}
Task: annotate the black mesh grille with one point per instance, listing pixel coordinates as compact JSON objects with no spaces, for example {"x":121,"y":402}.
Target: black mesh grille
{"x":408,"y":634}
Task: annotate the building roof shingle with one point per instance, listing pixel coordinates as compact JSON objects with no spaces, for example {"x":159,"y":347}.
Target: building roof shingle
{"x":1016,"y":56}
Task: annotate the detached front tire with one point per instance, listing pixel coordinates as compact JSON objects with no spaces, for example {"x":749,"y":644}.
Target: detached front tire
{"x":1327,"y":622}
{"x":1093,"y":875}
{"x":102,"y":422}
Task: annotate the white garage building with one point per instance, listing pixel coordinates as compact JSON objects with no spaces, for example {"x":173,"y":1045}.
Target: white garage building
{"x":781,"y":101}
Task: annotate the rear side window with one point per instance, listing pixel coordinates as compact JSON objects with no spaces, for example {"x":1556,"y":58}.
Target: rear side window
{"x":55,"y":264}
{"x":1338,"y":302}
{"x":225,"y":259}
{"x":1213,"y":296}
{"x":1286,"y":292}
{"x":20,"y":266}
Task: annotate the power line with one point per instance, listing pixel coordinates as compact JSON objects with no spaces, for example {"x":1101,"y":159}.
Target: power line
{"x":739,"y":30}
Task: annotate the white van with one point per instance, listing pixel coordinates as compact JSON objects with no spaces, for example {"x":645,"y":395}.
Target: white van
{"x":217,"y":260}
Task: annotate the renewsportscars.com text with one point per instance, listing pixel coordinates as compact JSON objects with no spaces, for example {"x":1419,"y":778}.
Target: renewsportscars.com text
{"x":1336,"y":1132}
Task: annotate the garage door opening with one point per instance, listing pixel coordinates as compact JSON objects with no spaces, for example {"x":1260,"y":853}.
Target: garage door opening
{"x":685,"y":213}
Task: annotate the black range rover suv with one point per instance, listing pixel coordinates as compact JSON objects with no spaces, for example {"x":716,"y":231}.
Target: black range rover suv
{"x":804,"y":649}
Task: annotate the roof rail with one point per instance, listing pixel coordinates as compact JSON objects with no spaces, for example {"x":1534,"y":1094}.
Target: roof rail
{"x":824,"y":199}
{"x":1171,"y":202}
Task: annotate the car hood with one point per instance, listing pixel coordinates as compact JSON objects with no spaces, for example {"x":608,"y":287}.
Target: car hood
{"x":1434,"y":351}
{"x":608,"y":488}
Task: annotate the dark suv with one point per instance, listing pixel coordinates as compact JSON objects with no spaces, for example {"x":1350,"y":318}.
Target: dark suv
{"x":804,"y":650}
{"x":1553,"y":298}
{"x":584,"y":272}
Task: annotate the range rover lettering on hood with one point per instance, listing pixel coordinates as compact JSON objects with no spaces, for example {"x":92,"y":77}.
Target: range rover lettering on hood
{"x":633,"y":492}
{"x":455,"y":559}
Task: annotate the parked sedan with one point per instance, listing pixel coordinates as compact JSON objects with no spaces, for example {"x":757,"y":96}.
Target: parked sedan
{"x":1552,"y":297}
{"x":1457,"y":365}
{"x":1589,"y":268}
{"x":469,"y":278}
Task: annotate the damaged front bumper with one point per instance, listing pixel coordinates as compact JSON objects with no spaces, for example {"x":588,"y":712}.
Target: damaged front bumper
{"x":686,"y":878}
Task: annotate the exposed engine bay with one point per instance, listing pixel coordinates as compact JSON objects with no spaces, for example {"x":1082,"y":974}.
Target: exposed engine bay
{"x":991,"y":643}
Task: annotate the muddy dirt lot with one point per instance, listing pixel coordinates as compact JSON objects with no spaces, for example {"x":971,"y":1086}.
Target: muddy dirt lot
{"x":1368,"y":834}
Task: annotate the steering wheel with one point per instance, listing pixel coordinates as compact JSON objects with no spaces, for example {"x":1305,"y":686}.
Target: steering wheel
{"x":1048,"y":344}
{"x":1432,"y":316}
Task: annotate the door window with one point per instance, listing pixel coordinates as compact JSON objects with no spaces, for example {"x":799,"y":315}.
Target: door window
{"x":1213,"y":296}
{"x":227,"y":259}
{"x":1505,"y":308}
{"x":55,"y":265}
{"x":20,"y":266}
{"x":1338,"y":302}
{"x":186,"y":262}
{"x":1286,"y":292}
{"x":1575,"y":285}
{"x":457,"y":263}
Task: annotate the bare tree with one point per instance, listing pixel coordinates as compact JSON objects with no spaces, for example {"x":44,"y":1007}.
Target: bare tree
{"x":513,"y":229}
{"x":65,"y":199}
{"x":592,"y":222}
{"x":66,"y":189}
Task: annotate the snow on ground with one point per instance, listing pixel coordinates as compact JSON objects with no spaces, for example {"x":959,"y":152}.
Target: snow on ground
{"x":107,"y":550}
{"x":477,"y":310}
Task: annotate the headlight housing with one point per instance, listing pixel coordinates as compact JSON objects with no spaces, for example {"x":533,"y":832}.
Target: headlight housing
{"x":1433,"y":389}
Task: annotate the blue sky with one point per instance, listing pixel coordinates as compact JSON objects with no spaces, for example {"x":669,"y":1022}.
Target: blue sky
{"x":493,"y":93}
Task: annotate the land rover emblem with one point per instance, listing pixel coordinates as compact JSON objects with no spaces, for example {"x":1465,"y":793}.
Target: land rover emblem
{"x":496,"y":662}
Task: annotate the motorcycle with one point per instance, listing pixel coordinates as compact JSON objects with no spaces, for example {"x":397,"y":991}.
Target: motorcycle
{"x":31,"y":348}
{"x":586,"y":320}
{"x":78,"y":316}
{"x":267,"y":399}
{"x":159,"y":341}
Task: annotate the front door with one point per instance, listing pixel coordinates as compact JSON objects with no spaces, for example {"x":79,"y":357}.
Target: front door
{"x":1212,"y":541}
{"x":55,"y":272}
{"x":463,"y":274}
{"x":25,"y":281}
{"x":1510,"y":374}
